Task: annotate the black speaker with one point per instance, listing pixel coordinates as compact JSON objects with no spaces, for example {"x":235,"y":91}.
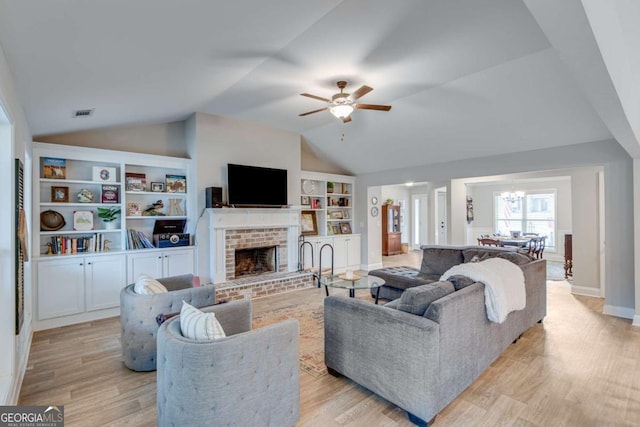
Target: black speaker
{"x":213,"y":197}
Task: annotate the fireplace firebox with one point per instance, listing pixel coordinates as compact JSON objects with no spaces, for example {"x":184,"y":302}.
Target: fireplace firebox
{"x":254,"y":261}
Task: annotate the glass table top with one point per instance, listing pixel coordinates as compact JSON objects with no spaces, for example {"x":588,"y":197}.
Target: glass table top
{"x":357,"y":282}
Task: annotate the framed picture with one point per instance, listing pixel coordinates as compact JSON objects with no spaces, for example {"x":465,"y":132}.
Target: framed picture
{"x":54,"y":168}
{"x":176,"y":184}
{"x":104,"y":174}
{"x":110,"y":193}
{"x":336,"y":215}
{"x":305,"y":200}
{"x":134,"y":209}
{"x":336,"y":229}
{"x":157,"y":187}
{"x":308,"y":223}
{"x":60,"y":194}
{"x":135,"y":181}
{"x":82,"y":220}
{"x":345,"y":228}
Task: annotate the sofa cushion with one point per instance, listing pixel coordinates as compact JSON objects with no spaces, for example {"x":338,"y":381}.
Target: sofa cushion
{"x":438,"y":259}
{"x":147,"y":285}
{"x":197,"y":325}
{"x":402,"y":277}
{"x":459,"y":281}
{"x":417,"y":300}
{"x":480,"y":254}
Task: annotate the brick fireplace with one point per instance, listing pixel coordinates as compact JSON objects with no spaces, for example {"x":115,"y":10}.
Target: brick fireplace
{"x":254,"y":246}
{"x":238,"y":229}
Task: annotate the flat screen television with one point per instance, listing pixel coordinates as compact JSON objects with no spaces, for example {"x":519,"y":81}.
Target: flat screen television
{"x":256,"y":186}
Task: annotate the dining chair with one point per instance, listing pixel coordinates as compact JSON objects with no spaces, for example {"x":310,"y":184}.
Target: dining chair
{"x":540,"y":246}
{"x":485,"y":241}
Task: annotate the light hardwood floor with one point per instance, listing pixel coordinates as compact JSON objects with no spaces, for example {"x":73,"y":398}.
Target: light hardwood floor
{"x":578,"y":368}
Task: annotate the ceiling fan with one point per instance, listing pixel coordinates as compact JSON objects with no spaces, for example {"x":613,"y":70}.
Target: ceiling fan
{"x":342,"y":104}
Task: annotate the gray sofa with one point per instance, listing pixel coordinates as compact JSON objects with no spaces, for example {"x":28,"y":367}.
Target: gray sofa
{"x":422,"y":362}
{"x":249,"y":378}
{"x":138,"y":326}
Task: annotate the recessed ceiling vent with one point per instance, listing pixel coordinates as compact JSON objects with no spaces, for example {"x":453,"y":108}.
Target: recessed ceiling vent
{"x":83,"y":113}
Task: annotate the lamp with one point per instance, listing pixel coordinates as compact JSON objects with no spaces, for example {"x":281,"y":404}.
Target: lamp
{"x":512,"y":196}
{"x":341,"y":110}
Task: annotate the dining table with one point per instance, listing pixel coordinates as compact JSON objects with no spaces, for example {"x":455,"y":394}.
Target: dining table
{"x":520,"y":242}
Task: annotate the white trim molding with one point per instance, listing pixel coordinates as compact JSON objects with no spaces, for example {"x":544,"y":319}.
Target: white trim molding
{"x":587,"y":292}
{"x":624,"y":312}
{"x":636,"y":320}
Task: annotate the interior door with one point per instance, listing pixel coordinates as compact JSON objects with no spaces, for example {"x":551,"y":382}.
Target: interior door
{"x":441,"y":212}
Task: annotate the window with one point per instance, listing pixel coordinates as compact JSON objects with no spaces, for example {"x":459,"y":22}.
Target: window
{"x":535,"y":213}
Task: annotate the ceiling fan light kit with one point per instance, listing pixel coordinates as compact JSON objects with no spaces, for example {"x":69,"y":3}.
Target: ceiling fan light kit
{"x":342,"y":104}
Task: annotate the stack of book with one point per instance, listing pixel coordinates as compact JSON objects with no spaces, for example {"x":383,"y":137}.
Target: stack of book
{"x":73,"y":245}
{"x":138,"y":240}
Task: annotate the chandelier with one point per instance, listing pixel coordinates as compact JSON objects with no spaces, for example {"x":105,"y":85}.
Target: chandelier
{"x":512,"y":196}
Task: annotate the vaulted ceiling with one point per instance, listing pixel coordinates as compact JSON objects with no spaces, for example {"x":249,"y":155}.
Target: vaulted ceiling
{"x":466,"y":78}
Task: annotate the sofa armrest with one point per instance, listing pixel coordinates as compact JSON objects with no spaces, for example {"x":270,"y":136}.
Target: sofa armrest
{"x":379,"y":348}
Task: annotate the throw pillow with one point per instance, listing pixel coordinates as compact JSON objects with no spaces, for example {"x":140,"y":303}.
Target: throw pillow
{"x":197,"y":325}
{"x":417,"y":300}
{"x":458,"y":281}
{"x":147,"y":285}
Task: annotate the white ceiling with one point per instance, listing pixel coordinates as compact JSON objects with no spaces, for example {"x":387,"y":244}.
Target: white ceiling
{"x":466,"y":78}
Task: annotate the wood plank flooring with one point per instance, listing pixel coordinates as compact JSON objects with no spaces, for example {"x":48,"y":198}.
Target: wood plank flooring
{"x":578,"y":368}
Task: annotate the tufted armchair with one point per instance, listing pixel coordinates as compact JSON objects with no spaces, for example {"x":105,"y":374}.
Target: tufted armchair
{"x":138,"y":313}
{"x":249,"y":378}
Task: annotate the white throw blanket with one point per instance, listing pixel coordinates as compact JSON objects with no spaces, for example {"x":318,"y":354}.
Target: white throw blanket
{"x":504,"y":290}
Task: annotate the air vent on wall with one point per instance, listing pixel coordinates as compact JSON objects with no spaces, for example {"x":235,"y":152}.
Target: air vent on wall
{"x":83,"y":113}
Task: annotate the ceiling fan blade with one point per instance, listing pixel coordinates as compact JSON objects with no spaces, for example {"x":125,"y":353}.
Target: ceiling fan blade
{"x":314,"y":111}
{"x":319,"y":98}
{"x":361,"y":92}
{"x":373,"y":107}
{"x":346,"y":119}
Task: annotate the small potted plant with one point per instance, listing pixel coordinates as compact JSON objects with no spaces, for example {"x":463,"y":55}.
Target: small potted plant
{"x":389,"y":201}
{"x":109,"y":216}
{"x":329,"y":187}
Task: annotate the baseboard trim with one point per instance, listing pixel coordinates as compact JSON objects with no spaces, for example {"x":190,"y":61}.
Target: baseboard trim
{"x":624,"y":312}
{"x":587,"y":292}
{"x":369,"y":267}
{"x":14,"y":393}
{"x":636,"y":320}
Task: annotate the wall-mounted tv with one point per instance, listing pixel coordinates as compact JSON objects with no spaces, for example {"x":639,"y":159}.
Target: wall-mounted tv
{"x":256,"y":186}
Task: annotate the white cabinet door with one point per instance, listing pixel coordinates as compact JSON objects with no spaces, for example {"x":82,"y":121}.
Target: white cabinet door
{"x":353,"y":251}
{"x":104,"y":278}
{"x":177,"y":262}
{"x":347,"y":253}
{"x":323,"y":252}
{"x":341,"y":253}
{"x":60,"y":287}
{"x":144,"y":263}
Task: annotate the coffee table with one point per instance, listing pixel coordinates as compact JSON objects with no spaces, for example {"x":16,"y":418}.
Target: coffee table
{"x":356,"y":282}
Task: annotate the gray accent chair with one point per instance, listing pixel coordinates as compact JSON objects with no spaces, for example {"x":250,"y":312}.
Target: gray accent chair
{"x":249,"y":378}
{"x":138,"y":326}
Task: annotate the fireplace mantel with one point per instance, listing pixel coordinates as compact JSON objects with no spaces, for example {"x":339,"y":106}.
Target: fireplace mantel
{"x":227,"y":219}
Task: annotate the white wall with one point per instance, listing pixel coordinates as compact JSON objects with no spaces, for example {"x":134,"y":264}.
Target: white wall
{"x":15,"y":138}
{"x":214,"y":141}
{"x":619,"y":198}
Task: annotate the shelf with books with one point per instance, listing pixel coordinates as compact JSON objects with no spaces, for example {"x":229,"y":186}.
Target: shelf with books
{"x":331,"y":197}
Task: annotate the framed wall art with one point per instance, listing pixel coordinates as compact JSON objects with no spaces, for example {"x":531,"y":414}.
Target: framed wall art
{"x":60,"y":194}
{"x":308,"y":223}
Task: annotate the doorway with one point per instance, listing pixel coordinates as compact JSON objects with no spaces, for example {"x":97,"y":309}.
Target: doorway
{"x":420,"y":211}
{"x":441,"y":216}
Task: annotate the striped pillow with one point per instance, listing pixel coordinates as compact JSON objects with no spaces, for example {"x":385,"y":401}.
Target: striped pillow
{"x":197,"y":325}
{"x":147,"y":285}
